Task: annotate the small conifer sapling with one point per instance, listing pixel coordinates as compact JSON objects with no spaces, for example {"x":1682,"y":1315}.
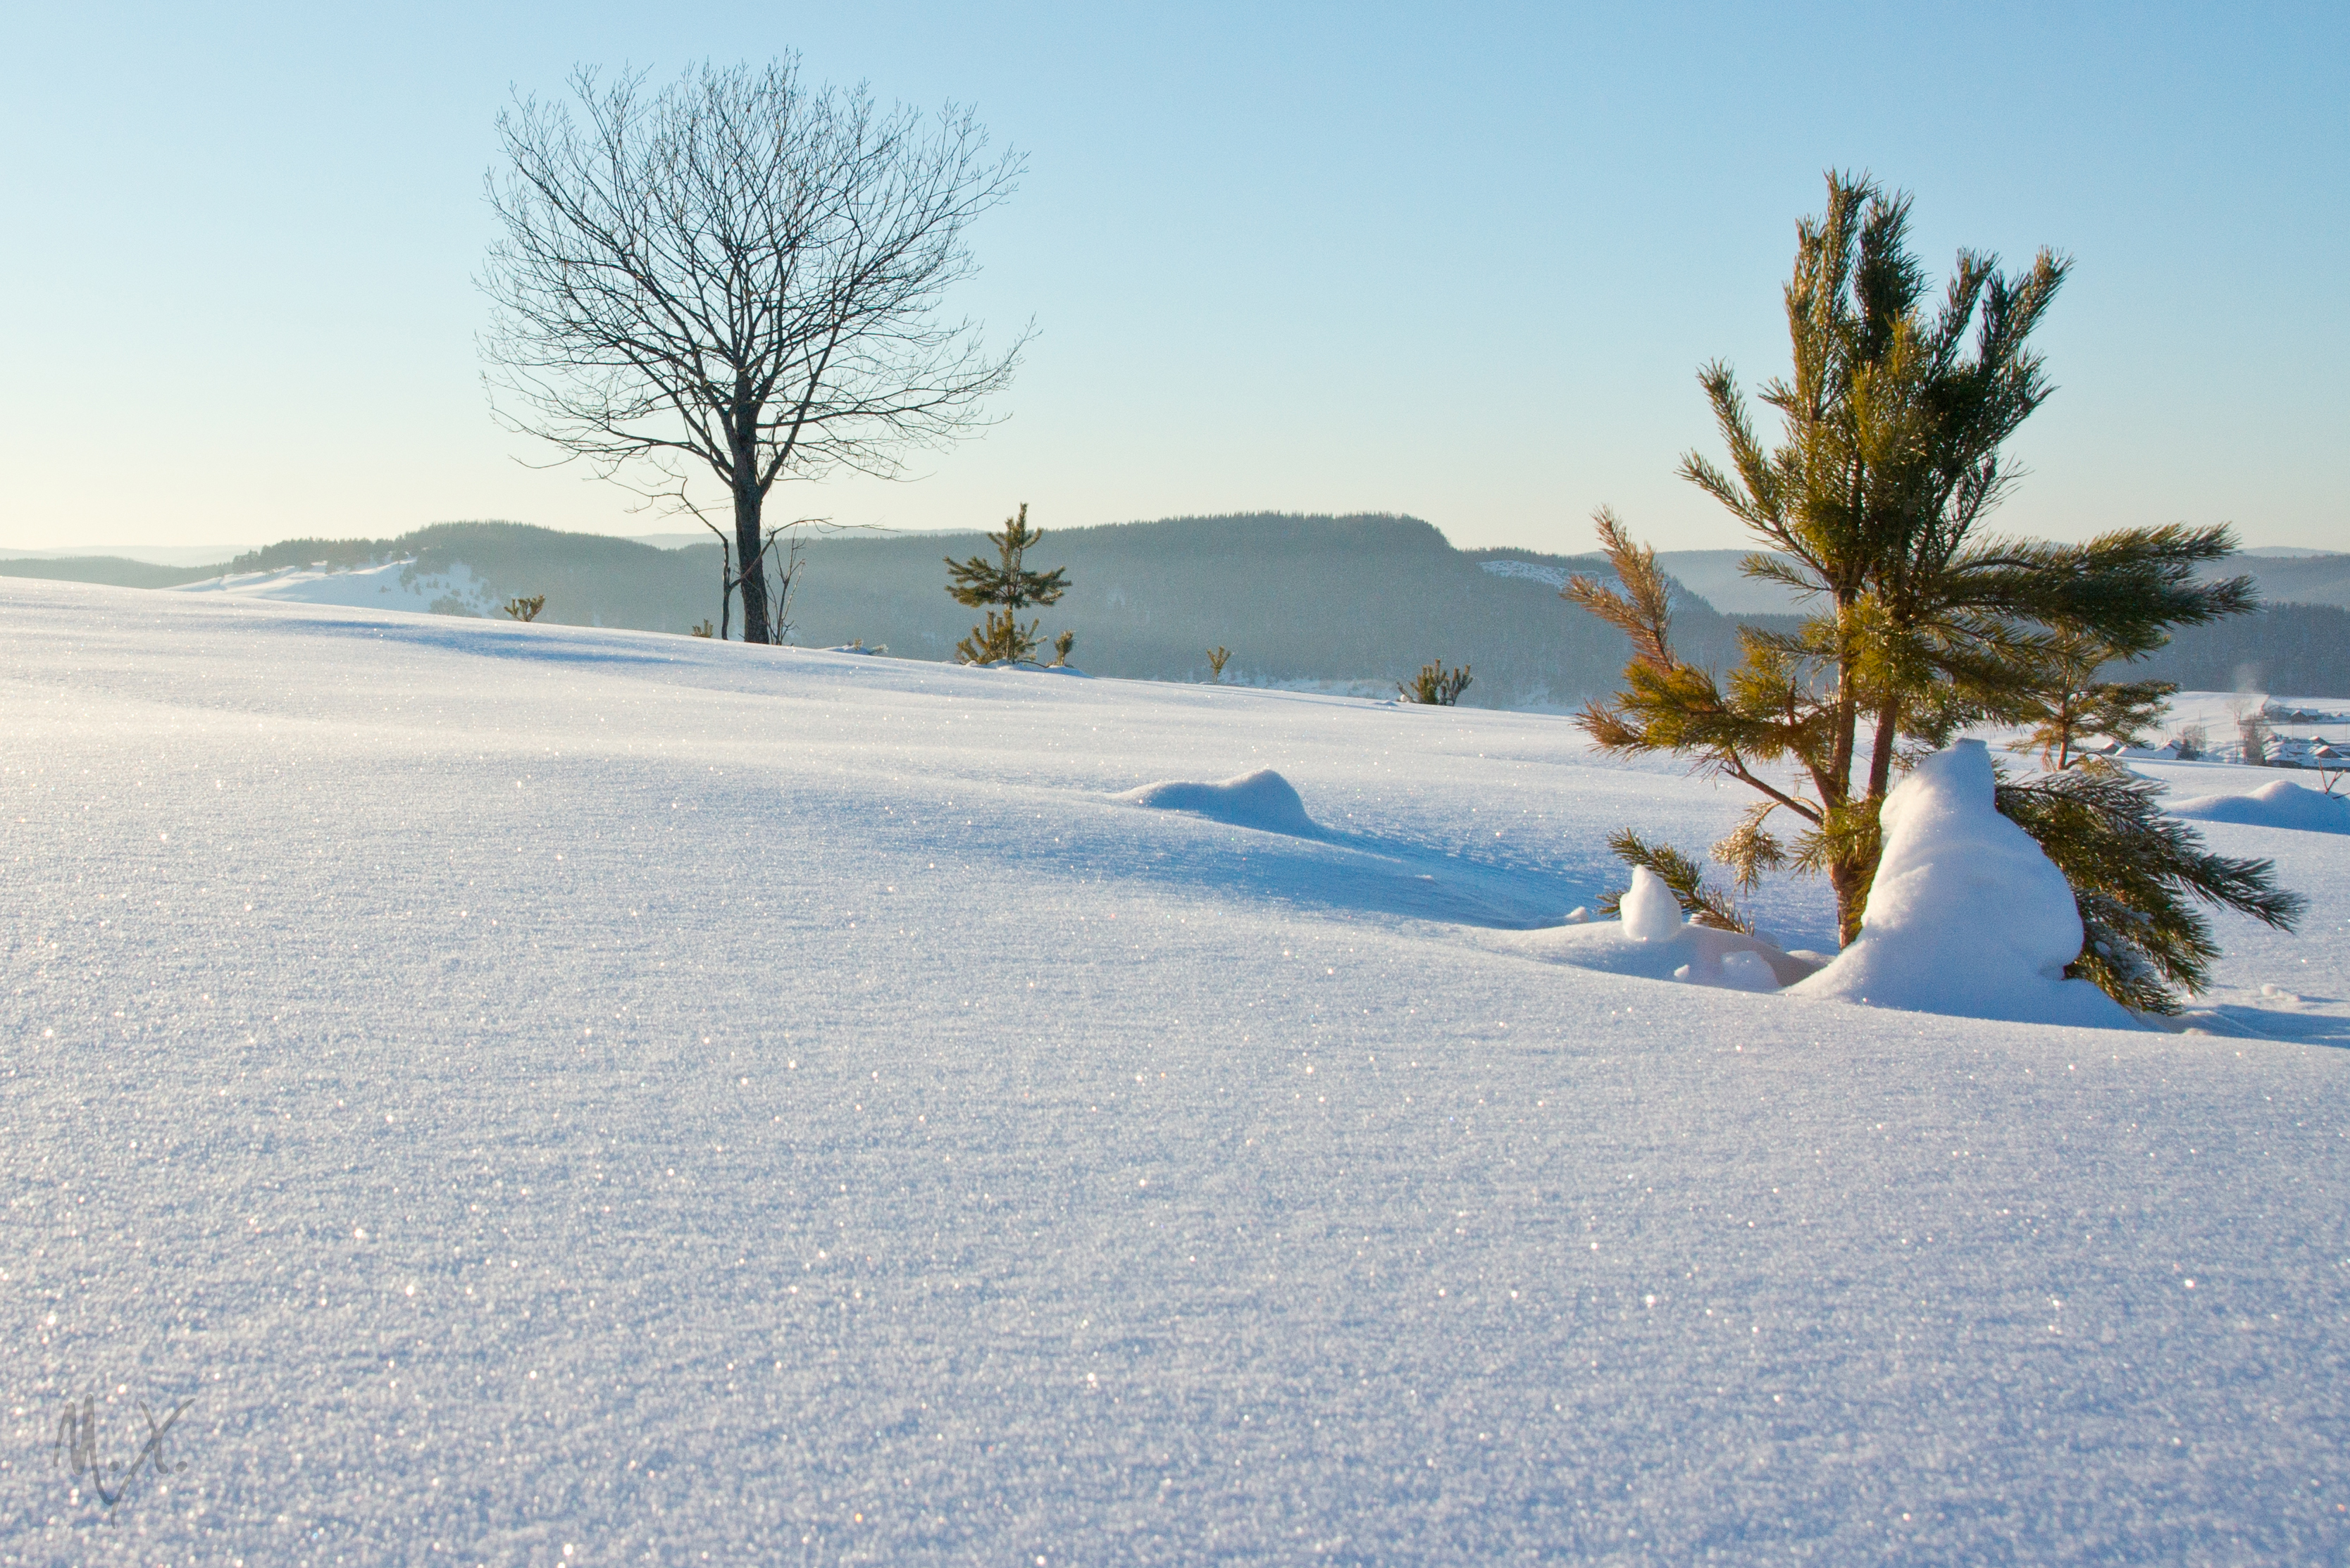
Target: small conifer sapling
{"x":1003,"y":586}
{"x":1436,"y":685}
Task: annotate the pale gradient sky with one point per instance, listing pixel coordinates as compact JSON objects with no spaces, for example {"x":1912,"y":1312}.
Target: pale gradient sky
{"x":1457,"y":262}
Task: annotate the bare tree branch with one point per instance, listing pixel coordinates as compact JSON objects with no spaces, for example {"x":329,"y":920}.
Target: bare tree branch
{"x":738,"y":280}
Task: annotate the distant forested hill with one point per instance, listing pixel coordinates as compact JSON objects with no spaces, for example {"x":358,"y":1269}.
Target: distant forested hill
{"x":2293,"y":579}
{"x":1364,"y":599}
{"x":2297,"y":651}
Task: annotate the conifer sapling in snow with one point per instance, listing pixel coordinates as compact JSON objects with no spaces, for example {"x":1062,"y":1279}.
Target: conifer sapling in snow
{"x":1894,"y":417}
{"x":1005,"y":582}
{"x":1435,"y":685}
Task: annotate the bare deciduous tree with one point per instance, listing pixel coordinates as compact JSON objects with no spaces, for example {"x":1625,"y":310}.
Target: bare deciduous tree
{"x":737,"y":277}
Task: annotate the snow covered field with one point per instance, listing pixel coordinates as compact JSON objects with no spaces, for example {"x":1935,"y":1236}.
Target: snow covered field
{"x":390,"y":585}
{"x":553,"y":1096}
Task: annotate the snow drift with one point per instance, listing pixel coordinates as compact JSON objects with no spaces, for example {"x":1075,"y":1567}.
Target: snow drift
{"x":1691,"y":954}
{"x":1263,"y":800}
{"x":2283,"y":804}
{"x":1967,"y":915}
{"x":1654,"y":942}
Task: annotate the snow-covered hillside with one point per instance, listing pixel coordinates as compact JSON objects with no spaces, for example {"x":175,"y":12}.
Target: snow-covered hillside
{"x":386,"y":586}
{"x":551,"y":1096}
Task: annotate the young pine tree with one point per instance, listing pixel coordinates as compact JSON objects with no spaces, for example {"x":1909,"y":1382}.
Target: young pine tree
{"x":2071,"y":702}
{"x":1006,"y":583}
{"x":1871,"y":509}
{"x":1436,"y":685}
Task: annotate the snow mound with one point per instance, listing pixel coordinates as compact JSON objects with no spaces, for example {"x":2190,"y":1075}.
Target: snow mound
{"x":2283,"y":804}
{"x":1651,"y":913}
{"x":1966,"y":917}
{"x":1263,"y":800}
{"x":1694,"y":955}
{"x":1653,"y":942}
{"x":1029,"y":665}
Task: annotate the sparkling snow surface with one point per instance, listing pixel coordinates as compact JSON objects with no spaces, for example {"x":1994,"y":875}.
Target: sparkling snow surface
{"x":551,"y":1096}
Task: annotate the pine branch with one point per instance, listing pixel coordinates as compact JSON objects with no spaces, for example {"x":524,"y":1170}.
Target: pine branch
{"x":1681,"y":874}
{"x":1643,"y":610}
{"x":2132,"y":871}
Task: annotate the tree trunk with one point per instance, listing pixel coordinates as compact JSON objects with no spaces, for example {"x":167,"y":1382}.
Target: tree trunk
{"x":725,"y":590}
{"x":747,"y":543}
{"x":1883,"y":747}
{"x":1850,"y":879}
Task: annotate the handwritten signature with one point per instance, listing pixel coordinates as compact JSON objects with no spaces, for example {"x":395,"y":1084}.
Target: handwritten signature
{"x":76,"y":1449}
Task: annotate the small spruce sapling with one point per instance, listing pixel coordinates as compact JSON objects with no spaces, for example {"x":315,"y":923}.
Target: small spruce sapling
{"x":1917,"y":622}
{"x":1062,"y":645}
{"x":1005,"y":582}
{"x":1217,"y":657}
{"x":1436,"y":685}
{"x":526,"y":609}
{"x":999,"y":639}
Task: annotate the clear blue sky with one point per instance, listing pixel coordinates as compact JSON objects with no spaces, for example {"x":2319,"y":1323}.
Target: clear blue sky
{"x":1457,"y":262}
